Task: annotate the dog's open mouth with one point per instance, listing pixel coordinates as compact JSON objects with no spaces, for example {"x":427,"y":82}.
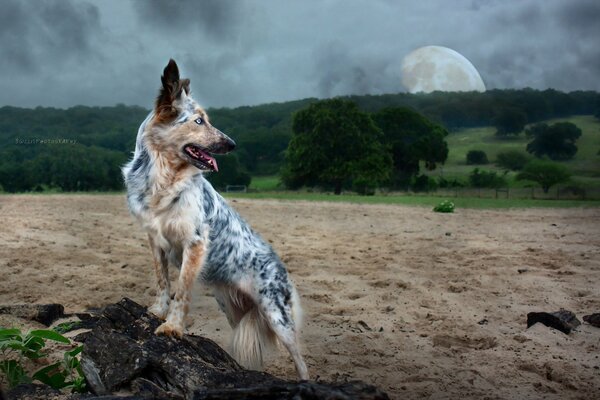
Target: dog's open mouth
{"x":200,"y":157}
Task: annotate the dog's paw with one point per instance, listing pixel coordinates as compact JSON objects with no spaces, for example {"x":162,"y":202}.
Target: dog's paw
{"x":169,"y":329}
{"x":159,"y":310}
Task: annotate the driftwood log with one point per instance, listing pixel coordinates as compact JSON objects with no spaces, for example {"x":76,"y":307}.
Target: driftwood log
{"x":122,"y":354}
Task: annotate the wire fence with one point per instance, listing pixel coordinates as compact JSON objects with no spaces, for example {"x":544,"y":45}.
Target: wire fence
{"x":555,"y":193}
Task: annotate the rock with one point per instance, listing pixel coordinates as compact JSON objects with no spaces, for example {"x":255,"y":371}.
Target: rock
{"x":42,"y":313}
{"x":593,"y":319}
{"x":34,"y":391}
{"x":563,"y":320}
{"x":364,"y":325}
{"x":122,"y":352}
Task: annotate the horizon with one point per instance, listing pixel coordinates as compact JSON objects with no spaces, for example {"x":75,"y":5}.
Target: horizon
{"x":346,"y":96}
{"x":65,"y":53}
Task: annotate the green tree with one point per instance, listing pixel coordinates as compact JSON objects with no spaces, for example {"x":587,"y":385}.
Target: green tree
{"x":513,"y":160}
{"x":546,"y":173}
{"x":556,"y":141}
{"x":476,"y":157}
{"x":509,"y":121}
{"x":230,"y":173}
{"x":412,"y":138}
{"x":334,"y":144}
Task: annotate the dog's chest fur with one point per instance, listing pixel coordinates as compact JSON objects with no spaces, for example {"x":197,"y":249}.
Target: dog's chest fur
{"x":169,"y":213}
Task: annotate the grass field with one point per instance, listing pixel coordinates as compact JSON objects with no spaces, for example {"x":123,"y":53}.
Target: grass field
{"x":265,"y":183}
{"x":585,"y":166}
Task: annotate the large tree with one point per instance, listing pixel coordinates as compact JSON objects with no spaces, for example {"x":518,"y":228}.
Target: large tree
{"x":335,"y":144}
{"x":556,"y":141}
{"x":412,"y":138}
{"x":546,"y":173}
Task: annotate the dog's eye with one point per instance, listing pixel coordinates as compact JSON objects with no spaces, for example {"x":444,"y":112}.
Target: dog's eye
{"x":199,"y":121}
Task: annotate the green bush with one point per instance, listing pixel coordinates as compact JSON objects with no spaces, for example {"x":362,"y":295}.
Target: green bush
{"x":513,"y":160}
{"x":445,"y":183}
{"x":363,"y":186}
{"x":486,"y":179}
{"x":445,"y":206}
{"x":477,"y":157}
{"x":423,"y":183}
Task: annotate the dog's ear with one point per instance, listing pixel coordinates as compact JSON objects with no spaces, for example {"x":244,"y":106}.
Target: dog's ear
{"x":185,"y":85}
{"x":170,"y":91}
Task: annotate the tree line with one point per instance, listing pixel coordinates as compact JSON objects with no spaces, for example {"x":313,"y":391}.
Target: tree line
{"x":82,"y":148}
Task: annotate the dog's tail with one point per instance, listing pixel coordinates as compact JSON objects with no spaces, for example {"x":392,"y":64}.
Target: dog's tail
{"x":253,"y":336}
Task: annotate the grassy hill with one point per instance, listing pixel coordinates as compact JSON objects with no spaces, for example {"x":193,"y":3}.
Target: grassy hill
{"x":585,"y":166}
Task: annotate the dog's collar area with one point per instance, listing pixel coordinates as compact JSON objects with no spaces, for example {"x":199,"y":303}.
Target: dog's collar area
{"x":200,"y":157}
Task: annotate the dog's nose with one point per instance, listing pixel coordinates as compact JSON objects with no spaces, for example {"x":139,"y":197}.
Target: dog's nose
{"x":229,"y":145}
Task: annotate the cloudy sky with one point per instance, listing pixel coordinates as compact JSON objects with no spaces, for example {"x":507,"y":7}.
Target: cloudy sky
{"x":61,"y":53}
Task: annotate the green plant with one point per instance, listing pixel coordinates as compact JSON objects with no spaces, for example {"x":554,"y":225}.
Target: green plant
{"x":476,"y":157}
{"x":16,"y":346}
{"x":445,"y":206}
{"x":486,"y":179}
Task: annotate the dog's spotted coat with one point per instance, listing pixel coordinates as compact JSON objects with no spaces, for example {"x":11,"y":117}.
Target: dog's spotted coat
{"x":191,"y":227}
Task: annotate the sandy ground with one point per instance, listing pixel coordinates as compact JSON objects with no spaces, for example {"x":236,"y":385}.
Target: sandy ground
{"x":419,"y":303}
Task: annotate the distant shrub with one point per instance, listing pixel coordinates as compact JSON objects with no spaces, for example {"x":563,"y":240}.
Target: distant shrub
{"x":363,"y":186}
{"x":446,"y":183}
{"x":423,"y":183}
{"x":477,"y":157}
{"x":513,"y":160}
{"x":445,"y":206}
{"x":486,"y":179}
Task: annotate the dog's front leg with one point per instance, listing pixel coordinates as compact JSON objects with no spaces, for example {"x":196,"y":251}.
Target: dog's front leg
{"x":193,"y":258}
{"x":160,"y":308}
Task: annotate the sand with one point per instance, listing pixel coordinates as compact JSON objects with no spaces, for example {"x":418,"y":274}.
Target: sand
{"x":419,"y":303}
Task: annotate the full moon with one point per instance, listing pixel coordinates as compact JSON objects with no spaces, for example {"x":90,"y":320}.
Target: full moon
{"x":432,"y":68}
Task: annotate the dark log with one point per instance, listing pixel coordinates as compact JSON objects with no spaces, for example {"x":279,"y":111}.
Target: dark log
{"x":563,"y":320}
{"x":593,"y":319}
{"x":33,"y":391}
{"x":43,"y":313}
{"x":122,"y":352}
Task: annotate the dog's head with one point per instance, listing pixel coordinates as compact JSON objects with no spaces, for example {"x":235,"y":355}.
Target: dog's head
{"x":180,"y":127}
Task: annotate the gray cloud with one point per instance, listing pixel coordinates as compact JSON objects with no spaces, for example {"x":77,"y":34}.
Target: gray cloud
{"x":34,"y":34}
{"x":66,"y":52}
{"x":218,"y":19}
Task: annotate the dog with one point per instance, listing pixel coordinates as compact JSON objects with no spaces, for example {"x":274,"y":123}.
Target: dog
{"x":190,"y":226}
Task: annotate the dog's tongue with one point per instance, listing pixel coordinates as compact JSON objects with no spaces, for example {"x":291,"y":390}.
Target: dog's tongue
{"x":212,"y":162}
{"x":203,"y":156}
{"x":208,"y":159}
